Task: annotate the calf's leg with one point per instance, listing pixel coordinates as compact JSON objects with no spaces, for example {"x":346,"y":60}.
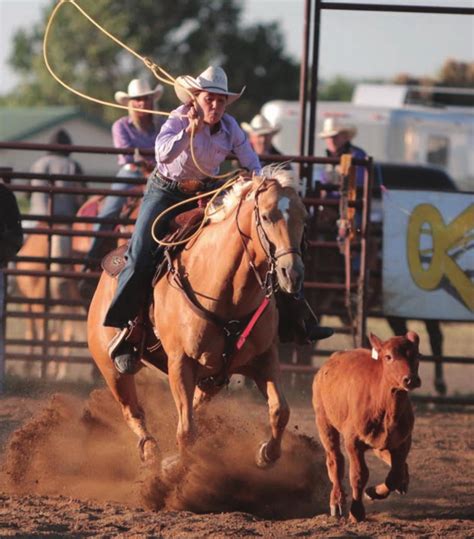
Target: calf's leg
{"x":398,"y":477}
{"x":330,"y":440}
{"x":359,"y":475}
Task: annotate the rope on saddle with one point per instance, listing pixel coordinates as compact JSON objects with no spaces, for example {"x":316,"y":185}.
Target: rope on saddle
{"x":346,"y":228}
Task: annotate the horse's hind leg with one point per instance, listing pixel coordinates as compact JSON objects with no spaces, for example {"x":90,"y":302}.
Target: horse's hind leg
{"x":124,"y":391}
{"x":266,"y":374}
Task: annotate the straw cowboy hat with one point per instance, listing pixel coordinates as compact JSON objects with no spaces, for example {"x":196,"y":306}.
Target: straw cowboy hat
{"x":213,"y":80}
{"x":138,"y":88}
{"x":334,"y":126}
{"x":260,"y":126}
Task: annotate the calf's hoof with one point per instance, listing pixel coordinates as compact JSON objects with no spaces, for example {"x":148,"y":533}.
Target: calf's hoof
{"x":402,"y":489}
{"x":336,"y":510}
{"x":357,"y":512}
{"x":377,"y":493}
{"x":264,"y":459}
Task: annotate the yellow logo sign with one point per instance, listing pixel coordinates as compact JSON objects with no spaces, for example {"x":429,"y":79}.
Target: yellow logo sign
{"x":430,"y":264}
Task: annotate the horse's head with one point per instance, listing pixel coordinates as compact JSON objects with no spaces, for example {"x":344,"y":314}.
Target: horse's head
{"x":280,"y":218}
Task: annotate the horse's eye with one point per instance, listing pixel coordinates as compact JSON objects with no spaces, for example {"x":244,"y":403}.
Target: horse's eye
{"x":265,"y":218}
{"x":388,"y":358}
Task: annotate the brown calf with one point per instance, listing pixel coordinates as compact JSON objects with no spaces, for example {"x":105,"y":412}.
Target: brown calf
{"x":363,"y":395}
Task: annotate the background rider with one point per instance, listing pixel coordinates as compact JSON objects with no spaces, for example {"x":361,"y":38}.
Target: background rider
{"x":136,"y":130}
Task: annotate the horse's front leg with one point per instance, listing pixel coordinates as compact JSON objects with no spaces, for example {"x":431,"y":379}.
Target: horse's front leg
{"x":266,"y":373}
{"x":182,"y":379}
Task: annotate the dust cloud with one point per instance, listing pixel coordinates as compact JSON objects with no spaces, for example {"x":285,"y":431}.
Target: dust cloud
{"x":84,"y":450}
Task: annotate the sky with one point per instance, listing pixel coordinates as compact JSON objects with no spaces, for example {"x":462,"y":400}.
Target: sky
{"x":356,"y":45}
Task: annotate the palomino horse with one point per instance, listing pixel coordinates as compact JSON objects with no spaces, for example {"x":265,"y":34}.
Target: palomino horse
{"x":230,"y":270}
{"x":34,"y":287}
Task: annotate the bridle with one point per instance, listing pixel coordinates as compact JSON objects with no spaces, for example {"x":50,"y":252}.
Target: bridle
{"x":269,"y":284}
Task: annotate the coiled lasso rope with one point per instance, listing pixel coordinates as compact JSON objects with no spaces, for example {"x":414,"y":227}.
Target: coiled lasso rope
{"x":164,"y":77}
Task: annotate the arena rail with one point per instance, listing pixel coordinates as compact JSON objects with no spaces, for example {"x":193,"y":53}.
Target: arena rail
{"x":15,"y":345}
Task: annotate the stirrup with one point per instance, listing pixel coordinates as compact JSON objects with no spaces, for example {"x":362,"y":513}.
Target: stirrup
{"x":127,"y":360}
{"x":119,"y":338}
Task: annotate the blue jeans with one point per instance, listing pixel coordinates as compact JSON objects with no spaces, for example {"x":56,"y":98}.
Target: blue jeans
{"x":111,"y":209}
{"x":143,"y":253}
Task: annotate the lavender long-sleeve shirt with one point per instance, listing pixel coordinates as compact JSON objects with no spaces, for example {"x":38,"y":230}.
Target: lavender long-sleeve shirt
{"x":173,"y":152}
{"x":126,"y":135}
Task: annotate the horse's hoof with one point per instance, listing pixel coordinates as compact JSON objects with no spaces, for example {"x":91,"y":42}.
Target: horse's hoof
{"x":372,"y":494}
{"x":148,"y":450}
{"x":263,"y":459}
{"x":336,"y":510}
{"x":171,"y":468}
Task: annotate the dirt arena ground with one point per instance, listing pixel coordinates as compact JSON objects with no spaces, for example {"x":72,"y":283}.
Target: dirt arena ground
{"x":70,"y":467}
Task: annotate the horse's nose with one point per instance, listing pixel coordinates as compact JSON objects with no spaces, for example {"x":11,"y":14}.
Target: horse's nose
{"x":294,"y":276}
{"x":411,"y":382}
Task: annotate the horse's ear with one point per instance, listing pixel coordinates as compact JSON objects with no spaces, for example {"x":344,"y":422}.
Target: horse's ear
{"x":375,"y":341}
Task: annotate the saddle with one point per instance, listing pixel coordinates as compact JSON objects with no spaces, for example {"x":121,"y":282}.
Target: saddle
{"x":143,"y":333}
{"x":181,"y":227}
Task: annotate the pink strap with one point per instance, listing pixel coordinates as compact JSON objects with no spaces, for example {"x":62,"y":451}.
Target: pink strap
{"x":257,"y":314}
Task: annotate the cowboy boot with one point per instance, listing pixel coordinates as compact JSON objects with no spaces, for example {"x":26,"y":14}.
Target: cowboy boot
{"x":309,"y":331}
{"x":295,"y":325}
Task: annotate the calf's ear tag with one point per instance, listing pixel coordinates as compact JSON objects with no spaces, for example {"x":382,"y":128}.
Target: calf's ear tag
{"x":375,"y":354}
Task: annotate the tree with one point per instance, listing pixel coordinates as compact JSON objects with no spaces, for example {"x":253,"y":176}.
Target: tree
{"x":183,"y":36}
{"x":453,"y":74}
{"x":337,"y":89}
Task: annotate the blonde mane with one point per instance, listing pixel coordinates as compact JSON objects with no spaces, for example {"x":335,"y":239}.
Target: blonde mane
{"x":222,"y":207}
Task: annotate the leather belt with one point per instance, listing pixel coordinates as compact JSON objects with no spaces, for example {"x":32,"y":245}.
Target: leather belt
{"x":187,"y":186}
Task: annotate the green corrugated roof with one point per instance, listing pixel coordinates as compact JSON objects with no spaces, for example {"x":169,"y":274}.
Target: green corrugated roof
{"x":18,"y":123}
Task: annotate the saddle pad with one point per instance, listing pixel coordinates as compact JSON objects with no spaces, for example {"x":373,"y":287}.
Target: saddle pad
{"x":91,"y":207}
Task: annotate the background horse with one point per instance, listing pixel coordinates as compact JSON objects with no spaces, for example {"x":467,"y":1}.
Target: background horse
{"x":34,"y":287}
{"x":256,"y":235}
{"x":91,"y":208}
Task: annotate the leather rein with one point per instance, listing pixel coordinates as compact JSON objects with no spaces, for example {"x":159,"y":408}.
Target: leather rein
{"x":236,"y":331}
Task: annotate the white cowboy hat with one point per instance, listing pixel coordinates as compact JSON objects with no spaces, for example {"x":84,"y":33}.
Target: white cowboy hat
{"x":260,"y":126}
{"x":334,"y":126}
{"x":213,"y":80}
{"x":138,"y":88}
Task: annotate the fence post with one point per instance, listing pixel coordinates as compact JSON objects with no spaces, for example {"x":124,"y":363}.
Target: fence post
{"x":3,"y":305}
